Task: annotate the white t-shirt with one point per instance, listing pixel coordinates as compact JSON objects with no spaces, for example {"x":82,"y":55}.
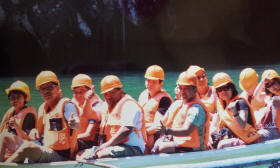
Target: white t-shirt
{"x":131,"y":115}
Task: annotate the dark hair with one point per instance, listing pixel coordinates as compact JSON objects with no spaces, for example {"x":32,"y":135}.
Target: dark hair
{"x":18,"y":92}
{"x":233,"y":90}
{"x":269,"y":84}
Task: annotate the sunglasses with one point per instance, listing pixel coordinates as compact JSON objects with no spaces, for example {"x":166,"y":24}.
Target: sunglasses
{"x":223,"y":88}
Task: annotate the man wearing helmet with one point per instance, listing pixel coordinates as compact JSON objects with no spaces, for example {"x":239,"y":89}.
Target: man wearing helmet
{"x":57,"y":120}
{"x":122,"y":129}
{"x":185,"y":120}
{"x":85,"y":99}
{"x":154,"y":100}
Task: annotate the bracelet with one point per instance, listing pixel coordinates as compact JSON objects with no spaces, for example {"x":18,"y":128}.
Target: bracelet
{"x":236,"y":115}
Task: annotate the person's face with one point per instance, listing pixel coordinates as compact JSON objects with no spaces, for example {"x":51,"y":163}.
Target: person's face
{"x":153,"y":86}
{"x":224,"y":92}
{"x":79,"y":93}
{"x":202,"y":80}
{"x":187,"y":92}
{"x":16,"y":100}
{"x":274,"y":87}
{"x":112,"y":96}
{"x":49,"y":91}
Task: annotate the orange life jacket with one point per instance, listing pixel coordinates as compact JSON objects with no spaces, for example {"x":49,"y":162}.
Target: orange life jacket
{"x":209,"y":100}
{"x":177,"y":118}
{"x":56,"y":139}
{"x":84,"y":122}
{"x":249,"y":134}
{"x":19,"y":118}
{"x":111,"y":120}
{"x":150,"y":105}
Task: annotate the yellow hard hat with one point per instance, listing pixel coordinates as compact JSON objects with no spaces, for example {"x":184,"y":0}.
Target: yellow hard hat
{"x":194,"y":69}
{"x":270,"y":74}
{"x":221,"y":79}
{"x":248,"y":78}
{"x":81,"y":80}
{"x":186,"y":78}
{"x":20,"y":86}
{"x":154,"y":72}
{"x":45,"y":77}
{"x":109,"y":83}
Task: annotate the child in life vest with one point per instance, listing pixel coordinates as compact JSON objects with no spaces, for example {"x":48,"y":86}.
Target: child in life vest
{"x":19,"y":120}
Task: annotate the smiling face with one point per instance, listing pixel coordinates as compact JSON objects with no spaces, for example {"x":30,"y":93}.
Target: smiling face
{"x":79,"y":93}
{"x":153,"y":85}
{"x":225,"y":92}
{"x":187,"y":92}
{"x":49,"y":91}
{"x":202,"y":80}
{"x":17,"y":99}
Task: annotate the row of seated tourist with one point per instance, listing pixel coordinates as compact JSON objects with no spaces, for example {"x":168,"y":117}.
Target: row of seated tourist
{"x":201,"y":117}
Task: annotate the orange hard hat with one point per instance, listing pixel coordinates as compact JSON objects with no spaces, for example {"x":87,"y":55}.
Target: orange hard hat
{"x":220,"y":79}
{"x":248,"y":78}
{"x":45,"y":77}
{"x":20,"y":86}
{"x":81,"y":80}
{"x":109,"y":83}
{"x":186,"y":78}
{"x":270,"y":74}
{"x":194,"y":69}
{"x":154,"y":72}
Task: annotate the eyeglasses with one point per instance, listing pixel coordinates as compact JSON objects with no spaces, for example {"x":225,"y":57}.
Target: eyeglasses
{"x":223,"y":88}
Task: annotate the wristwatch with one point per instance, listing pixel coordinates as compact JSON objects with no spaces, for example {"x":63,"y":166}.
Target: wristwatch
{"x":167,"y":131}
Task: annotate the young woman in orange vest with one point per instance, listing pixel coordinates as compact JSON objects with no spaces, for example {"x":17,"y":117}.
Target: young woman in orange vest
{"x":88,"y":131}
{"x":57,"y":120}
{"x":122,"y":128}
{"x":184,"y":122}
{"x":234,"y":119}
{"x":154,"y":100}
{"x":19,"y":120}
{"x":270,"y":119}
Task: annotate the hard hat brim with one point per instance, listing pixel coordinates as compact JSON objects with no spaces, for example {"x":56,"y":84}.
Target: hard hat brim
{"x":13,"y":89}
{"x":153,"y":78}
{"x":222,"y":84}
{"x":185,"y":84}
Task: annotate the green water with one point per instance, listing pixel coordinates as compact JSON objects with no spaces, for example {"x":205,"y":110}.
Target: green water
{"x":133,"y":83}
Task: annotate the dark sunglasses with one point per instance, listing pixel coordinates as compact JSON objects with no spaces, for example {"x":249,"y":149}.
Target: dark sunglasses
{"x":223,"y":88}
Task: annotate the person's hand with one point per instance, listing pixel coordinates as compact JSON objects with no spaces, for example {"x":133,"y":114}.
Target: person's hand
{"x":11,"y":122}
{"x":91,"y":96}
{"x":160,"y":128}
{"x":73,"y":122}
{"x":34,"y":135}
{"x":101,"y":147}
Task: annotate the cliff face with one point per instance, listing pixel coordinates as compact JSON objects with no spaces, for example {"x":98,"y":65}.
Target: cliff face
{"x":70,"y":36}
